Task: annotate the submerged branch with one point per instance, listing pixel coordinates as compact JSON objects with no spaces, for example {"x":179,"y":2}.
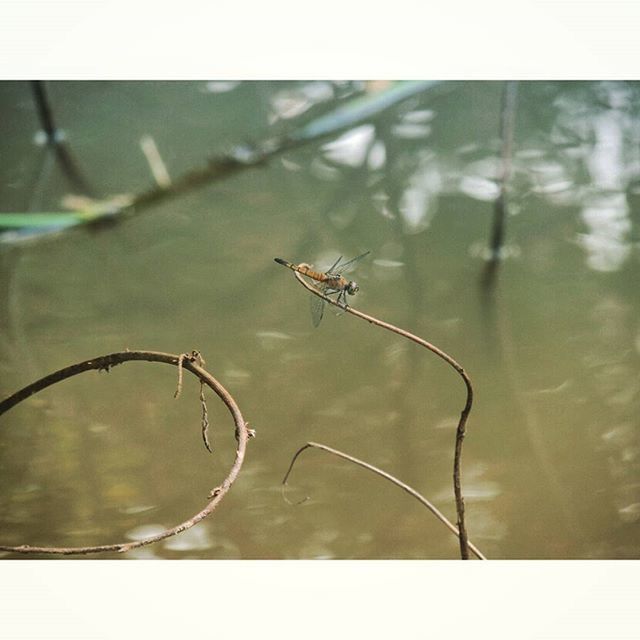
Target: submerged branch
{"x":461,"y":429}
{"x":405,"y":487}
{"x":507,"y":125}
{"x":104,"y":363}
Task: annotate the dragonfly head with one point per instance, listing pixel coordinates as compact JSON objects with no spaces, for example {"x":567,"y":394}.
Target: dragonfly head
{"x":352,"y":288}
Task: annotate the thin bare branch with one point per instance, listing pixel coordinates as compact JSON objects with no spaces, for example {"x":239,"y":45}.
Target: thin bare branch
{"x":181,"y":358}
{"x":104,"y":363}
{"x":405,"y":487}
{"x":205,"y":419}
{"x":461,"y":429}
{"x":196,"y":356}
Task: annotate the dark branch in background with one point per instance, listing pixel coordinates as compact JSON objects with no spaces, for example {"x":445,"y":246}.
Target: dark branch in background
{"x":215,"y":169}
{"x":507,"y":125}
{"x":405,"y":487}
{"x":348,"y":115}
{"x":55,"y":140}
{"x":104,"y":363}
{"x":44,"y":111}
{"x":460,"y":431}
{"x":101,"y":213}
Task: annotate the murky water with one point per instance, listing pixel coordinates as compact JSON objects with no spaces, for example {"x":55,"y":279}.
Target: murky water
{"x":551,"y":464}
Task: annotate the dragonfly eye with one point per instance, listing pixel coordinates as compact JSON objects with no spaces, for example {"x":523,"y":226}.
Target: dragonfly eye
{"x":352,"y":288}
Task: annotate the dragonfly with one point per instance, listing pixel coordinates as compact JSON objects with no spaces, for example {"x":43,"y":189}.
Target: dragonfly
{"x":328,"y":282}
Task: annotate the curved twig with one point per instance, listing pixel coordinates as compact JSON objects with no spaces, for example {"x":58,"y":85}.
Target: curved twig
{"x":460,"y":431}
{"x":405,"y":487}
{"x":104,"y":363}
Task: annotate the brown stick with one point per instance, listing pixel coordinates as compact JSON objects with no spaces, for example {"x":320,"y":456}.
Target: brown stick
{"x":460,"y":431}
{"x":405,"y":487}
{"x":104,"y":363}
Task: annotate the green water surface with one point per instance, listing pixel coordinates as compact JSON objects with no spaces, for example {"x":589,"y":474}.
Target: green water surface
{"x":551,"y":463}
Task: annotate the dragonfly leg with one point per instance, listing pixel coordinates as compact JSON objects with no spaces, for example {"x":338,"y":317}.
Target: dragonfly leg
{"x":333,"y":293}
{"x":342,"y":301}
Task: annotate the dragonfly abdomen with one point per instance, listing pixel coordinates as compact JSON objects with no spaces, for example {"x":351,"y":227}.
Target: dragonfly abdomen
{"x":304,"y":270}
{"x":316,"y":275}
{"x":329,"y":281}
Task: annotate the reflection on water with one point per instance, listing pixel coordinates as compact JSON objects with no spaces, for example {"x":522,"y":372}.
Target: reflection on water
{"x":552,"y":458}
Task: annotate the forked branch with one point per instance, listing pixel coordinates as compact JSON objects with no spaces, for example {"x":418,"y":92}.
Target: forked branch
{"x":405,"y":487}
{"x":190,"y":362}
{"x":461,"y":428}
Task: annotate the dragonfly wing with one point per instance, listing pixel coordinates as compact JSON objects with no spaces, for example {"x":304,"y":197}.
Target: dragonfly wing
{"x":334,"y":265}
{"x":317,"y":309}
{"x":347,"y":266}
